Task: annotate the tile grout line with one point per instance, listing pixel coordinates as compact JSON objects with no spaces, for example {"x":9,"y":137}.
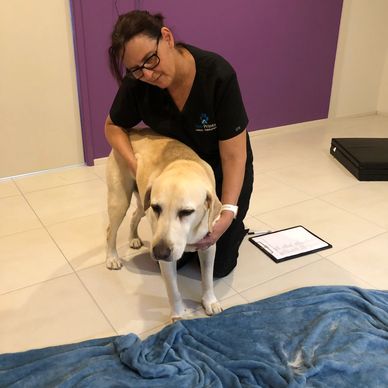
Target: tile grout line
{"x":281,"y":275}
{"x":353,"y":214}
{"x":276,"y":179}
{"x":49,"y":170}
{"x":34,"y":284}
{"x":355,"y":244}
{"x":305,"y":266}
{"x":20,"y":232}
{"x":257,"y":215}
{"x":70,"y":264}
{"x":356,"y":276}
{"x":97,"y":178}
{"x":279,"y":208}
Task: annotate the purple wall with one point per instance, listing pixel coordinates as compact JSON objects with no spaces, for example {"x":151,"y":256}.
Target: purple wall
{"x":283,"y":52}
{"x":93,"y":22}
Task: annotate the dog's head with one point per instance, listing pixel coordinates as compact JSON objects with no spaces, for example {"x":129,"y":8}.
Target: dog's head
{"x":181,"y":208}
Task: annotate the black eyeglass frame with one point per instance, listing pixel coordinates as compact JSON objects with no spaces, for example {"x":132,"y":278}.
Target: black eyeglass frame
{"x":131,"y":72}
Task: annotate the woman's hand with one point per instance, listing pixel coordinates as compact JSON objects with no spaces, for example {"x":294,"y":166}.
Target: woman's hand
{"x":221,"y":225}
{"x":119,"y":141}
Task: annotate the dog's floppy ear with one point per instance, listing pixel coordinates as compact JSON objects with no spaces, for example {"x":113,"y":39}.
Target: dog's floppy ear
{"x":147,"y":198}
{"x":214,"y":206}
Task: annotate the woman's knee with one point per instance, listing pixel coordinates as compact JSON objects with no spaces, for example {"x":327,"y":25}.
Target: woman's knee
{"x":228,"y":250}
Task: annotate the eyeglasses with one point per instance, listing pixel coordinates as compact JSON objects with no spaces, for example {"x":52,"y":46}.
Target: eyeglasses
{"x":150,"y":63}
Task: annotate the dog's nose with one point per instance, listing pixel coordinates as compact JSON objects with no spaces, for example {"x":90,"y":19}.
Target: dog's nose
{"x":161,"y":251}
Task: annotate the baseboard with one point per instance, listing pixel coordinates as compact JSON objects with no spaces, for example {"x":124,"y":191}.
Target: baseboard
{"x":55,"y":169}
{"x":314,"y":123}
{"x":286,"y":128}
{"x":100,"y":161}
{"x":355,"y":115}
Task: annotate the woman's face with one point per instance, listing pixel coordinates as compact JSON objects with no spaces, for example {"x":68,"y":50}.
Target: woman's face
{"x":140,"y":49}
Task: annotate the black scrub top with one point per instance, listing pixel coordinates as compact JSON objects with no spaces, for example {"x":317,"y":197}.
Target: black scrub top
{"x":214,"y":110}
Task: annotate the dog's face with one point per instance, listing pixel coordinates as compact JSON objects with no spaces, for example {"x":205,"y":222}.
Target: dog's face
{"x":181,"y":211}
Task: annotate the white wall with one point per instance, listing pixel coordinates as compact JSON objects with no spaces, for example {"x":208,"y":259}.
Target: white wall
{"x":361,"y":73}
{"x":382,"y":106}
{"x":40,"y":124}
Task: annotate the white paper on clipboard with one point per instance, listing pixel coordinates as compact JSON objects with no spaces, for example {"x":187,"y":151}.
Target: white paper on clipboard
{"x":290,"y":242}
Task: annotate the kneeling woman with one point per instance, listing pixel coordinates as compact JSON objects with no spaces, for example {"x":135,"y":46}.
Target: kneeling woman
{"x":192,"y":95}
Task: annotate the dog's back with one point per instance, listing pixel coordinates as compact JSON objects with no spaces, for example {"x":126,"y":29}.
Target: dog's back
{"x":159,"y":151}
{"x":154,"y":153}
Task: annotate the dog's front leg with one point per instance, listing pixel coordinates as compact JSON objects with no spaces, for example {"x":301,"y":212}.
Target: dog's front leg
{"x":134,"y":240}
{"x":116,"y":212}
{"x":209,"y":300}
{"x":169,"y":274}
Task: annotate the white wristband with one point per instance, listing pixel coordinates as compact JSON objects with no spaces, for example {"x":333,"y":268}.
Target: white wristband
{"x":232,"y":208}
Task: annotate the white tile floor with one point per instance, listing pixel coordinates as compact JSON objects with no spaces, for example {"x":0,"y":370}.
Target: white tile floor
{"x":54,"y":288}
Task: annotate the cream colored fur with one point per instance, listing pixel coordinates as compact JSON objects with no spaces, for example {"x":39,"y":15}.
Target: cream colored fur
{"x":176,"y":189}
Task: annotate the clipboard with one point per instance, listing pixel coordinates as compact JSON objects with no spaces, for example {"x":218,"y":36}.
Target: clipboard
{"x":289,"y":243}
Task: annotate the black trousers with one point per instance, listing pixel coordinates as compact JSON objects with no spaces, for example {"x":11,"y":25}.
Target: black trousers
{"x":229,"y":243}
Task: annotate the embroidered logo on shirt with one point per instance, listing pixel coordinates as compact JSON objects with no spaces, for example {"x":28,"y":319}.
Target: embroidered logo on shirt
{"x":204,"y":125}
{"x":204,"y":118}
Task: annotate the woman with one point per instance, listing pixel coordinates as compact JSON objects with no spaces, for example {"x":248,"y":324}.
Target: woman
{"x":193,"y":96}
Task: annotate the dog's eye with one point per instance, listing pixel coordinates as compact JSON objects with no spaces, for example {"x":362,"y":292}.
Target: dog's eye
{"x":157,"y":209}
{"x":185,"y":212}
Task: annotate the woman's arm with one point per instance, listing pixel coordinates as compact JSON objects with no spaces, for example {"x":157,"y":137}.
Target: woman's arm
{"x":233,"y":158}
{"x":119,"y":141}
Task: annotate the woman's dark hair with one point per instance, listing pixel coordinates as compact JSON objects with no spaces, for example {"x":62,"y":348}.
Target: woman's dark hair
{"x":127,"y":26}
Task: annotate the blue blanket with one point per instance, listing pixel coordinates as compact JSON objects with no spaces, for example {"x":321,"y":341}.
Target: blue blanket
{"x":310,"y":337}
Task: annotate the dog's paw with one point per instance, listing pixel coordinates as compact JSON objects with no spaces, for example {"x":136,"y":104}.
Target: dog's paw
{"x":136,"y":243}
{"x":176,"y":318}
{"x":113,"y":263}
{"x":212,"y":307}
{"x":179,"y":312}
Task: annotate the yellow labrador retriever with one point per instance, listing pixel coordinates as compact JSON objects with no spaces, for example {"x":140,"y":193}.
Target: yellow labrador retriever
{"x":176,"y":189}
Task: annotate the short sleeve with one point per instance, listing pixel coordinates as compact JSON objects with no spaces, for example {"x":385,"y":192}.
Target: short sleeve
{"x":124,"y":111}
{"x":231,"y":116}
